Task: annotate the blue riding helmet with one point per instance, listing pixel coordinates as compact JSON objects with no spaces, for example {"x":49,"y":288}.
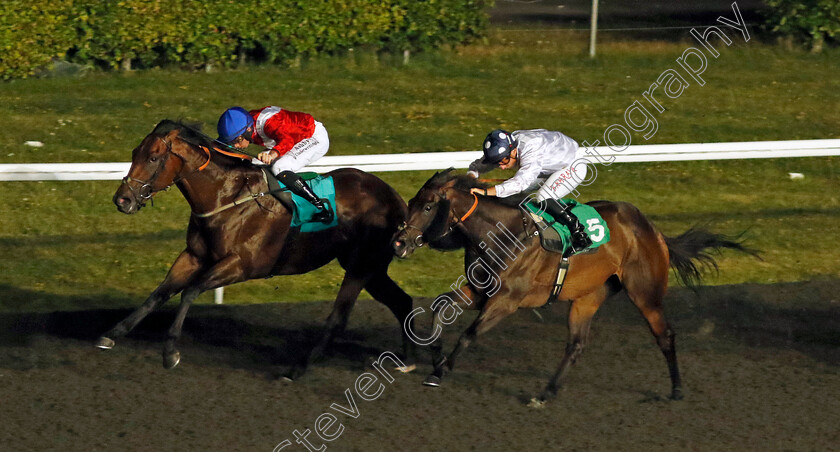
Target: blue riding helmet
{"x":498,"y":145}
{"x":233,"y":123}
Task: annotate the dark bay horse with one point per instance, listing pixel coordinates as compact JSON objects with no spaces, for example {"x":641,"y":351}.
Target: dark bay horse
{"x":253,"y":239}
{"x":507,"y":268}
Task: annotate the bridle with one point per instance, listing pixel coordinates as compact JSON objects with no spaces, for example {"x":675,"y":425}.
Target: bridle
{"x":145,"y":191}
{"x":419,"y":241}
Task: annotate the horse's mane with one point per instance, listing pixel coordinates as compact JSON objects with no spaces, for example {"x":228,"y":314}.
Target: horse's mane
{"x":188,"y":130}
{"x":465,"y":182}
{"x":191,"y":133}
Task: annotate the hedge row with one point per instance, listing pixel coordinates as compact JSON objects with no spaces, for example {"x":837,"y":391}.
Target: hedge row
{"x":32,"y":33}
{"x":192,"y":33}
{"x":813,"y":22}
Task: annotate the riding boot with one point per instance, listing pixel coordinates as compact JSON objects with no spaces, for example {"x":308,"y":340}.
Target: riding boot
{"x":562,"y":213}
{"x":298,"y":187}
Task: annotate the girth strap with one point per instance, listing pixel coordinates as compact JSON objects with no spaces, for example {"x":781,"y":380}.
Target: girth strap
{"x":562,"y":271}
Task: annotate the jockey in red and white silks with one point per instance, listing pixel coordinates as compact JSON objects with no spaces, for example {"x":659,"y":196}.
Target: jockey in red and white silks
{"x":545,"y":161}
{"x":291,"y":140}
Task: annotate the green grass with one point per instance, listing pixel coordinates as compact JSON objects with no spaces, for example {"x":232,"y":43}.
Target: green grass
{"x":63,"y":244}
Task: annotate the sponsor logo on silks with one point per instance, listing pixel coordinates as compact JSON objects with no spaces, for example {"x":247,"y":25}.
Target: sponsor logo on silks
{"x":563,"y":177}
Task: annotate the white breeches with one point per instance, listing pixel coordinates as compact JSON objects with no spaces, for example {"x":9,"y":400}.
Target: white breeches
{"x":305,"y":152}
{"x":561,"y":183}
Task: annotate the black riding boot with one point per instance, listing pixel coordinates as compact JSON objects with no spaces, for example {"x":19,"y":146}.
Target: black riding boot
{"x":562,"y":213}
{"x":297,"y":186}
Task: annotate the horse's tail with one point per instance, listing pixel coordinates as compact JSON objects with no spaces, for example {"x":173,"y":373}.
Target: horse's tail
{"x":693,"y":250}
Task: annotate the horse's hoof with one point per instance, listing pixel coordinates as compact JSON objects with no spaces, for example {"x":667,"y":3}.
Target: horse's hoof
{"x":536,"y":403}
{"x":171,"y":360}
{"x":293,"y":374}
{"x":432,"y":380}
{"x":677,"y":394}
{"x":104,"y":343}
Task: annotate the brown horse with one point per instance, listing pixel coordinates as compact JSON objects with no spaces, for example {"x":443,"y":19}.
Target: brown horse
{"x":507,"y":269}
{"x":229,"y":243}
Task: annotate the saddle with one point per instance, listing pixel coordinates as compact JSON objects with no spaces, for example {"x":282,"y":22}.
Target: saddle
{"x":278,"y":191}
{"x":302,"y":210}
{"x":556,"y":238}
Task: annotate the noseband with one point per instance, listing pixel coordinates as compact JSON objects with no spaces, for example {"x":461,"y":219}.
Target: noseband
{"x":145,"y":191}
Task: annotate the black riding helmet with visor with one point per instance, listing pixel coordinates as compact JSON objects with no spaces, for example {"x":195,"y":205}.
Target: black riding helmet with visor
{"x":498,"y":146}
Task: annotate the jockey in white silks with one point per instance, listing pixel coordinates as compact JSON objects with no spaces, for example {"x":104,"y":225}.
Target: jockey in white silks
{"x":546,"y":164}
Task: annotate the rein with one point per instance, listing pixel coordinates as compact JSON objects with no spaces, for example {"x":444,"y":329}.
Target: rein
{"x":244,"y":199}
{"x":144,"y":185}
{"x":420,"y":241}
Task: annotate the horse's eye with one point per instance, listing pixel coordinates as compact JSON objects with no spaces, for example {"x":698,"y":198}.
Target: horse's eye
{"x":153,"y":159}
{"x":428,"y":207}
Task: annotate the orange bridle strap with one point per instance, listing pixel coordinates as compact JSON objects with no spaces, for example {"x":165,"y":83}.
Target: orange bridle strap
{"x":201,"y":168}
{"x":472,"y":209}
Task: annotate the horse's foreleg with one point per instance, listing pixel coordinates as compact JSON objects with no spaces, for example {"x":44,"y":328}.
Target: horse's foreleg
{"x":351,"y":286}
{"x":493,"y":312}
{"x":180,"y":274}
{"x":227,"y":271}
{"x":489,"y":317}
{"x":581,"y":312}
{"x":438,"y":357}
{"x":456,"y":301}
{"x":386,"y":291}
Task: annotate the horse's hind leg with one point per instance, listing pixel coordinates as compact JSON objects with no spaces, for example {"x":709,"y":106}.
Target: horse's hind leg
{"x":351,"y":286}
{"x":179,"y":275}
{"x":225,"y":272}
{"x":581,"y":312}
{"x":647,"y":293}
{"x":386,"y":291}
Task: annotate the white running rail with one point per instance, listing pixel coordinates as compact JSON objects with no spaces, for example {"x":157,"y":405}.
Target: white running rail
{"x":443,"y":160}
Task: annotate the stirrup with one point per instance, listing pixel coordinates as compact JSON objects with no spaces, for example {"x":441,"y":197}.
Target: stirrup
{"x":324,"y":216}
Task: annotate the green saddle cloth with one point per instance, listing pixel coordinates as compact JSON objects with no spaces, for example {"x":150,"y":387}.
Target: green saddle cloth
{"x":302,"y":214}
{"x":593,"y":224}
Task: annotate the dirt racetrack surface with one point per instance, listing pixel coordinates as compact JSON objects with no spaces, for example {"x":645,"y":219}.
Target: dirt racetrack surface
{"x":761,"y":370}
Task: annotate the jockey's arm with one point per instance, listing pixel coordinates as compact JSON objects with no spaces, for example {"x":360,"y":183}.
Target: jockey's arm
{"x":489,"y":191}
{"x":528,"y":173}
{"x":477,"y":168}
